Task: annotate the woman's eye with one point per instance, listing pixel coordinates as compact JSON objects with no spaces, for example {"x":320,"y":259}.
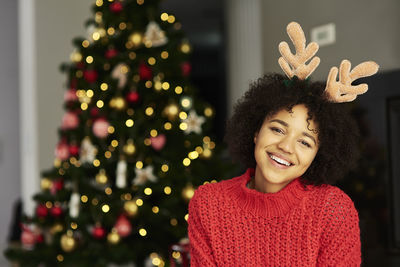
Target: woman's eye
{"x":276,"y":130}
{"x":305,"y":143}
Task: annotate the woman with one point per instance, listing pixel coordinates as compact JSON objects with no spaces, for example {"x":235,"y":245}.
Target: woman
{"x":284,"y":211}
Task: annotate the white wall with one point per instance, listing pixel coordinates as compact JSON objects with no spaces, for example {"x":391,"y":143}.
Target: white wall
{"x":58,"y":22}
{"x":9,"y":112}
{"x":366,"y":30}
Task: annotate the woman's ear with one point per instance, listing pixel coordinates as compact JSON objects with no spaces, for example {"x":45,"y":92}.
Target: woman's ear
{"x":255,"y":137}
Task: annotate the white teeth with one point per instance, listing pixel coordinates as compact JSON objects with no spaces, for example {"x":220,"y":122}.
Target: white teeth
{"x":279,"y":160}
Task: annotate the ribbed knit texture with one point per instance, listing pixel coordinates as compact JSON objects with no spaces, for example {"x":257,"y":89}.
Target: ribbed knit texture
{"x":232,"y":225}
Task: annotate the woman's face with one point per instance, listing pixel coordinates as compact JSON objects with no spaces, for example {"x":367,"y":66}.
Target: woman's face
{"x":285,"y":147}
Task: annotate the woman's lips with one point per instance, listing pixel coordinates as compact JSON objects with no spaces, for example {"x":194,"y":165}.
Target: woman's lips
{"x":276,"y":164}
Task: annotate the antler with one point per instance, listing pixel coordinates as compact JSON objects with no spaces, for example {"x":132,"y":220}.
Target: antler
{"x":343,"y":91}
{"x":303,"y":54}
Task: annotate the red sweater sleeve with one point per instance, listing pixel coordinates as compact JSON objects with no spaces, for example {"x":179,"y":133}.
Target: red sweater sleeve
{"x":340,"y":240}
{"x":200,"y":248}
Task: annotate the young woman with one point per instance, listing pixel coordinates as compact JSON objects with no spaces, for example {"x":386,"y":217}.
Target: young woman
{"x":283,"y":211}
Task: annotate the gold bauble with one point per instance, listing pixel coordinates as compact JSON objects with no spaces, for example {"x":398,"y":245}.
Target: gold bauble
{"x":129,"y":148}
{"x":118,"y":103}
{"x":67,"y":242}
{"x":101,"y":177}
{"x":46,"y":184}
{"x":188,"y":192}
{"x":171,"y":111}
{"x":131,"y":208}
{"x":56,"y":228}
{"x":136,"y":39}
{"x":113,"y":237}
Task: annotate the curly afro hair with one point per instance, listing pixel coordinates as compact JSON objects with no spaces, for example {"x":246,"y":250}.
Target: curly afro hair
{"x":337,"y":130}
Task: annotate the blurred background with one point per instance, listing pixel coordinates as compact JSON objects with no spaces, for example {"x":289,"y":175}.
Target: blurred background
{"x":234,"y":42}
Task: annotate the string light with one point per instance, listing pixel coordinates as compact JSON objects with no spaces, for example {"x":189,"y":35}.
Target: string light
{"x":186,"y":161}
{"x":167,"y":126}
{"x":148,"y":191}
{"x":182,"y":115}
{"x":164,"y":16}
{"x":84,"y":199}
{"x":111,"y":129}
{"x":164,"y":54}
{"x":143,"y":232}
{"x":139,"y":202}
{"x":149,"y":111}
{"x":171,"y":19}
{"x":139,"y":164}
{"x":105,"y":208}
{"x":96,"y":163}
{"x":114,"y":143}
{"x":129,"y":123}
{"x":167,"y":190}
{"x":165,"y":86}
{"x":100,"y":104}
{"x":153,"y":133}
{"x":178,"y":90}
{"x":104,"y":86}
{"x":151,"y":61}
{"x":164,"y":168}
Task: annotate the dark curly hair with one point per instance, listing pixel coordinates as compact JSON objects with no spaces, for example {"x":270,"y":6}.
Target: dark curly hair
{"x":337,"y":130}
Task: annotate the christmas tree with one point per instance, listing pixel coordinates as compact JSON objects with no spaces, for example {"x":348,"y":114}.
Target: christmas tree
{"x":134,"y":142}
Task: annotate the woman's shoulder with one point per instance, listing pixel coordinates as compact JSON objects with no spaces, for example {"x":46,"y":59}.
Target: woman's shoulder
{"x":333,"y":200}
{"x":216,"y":188}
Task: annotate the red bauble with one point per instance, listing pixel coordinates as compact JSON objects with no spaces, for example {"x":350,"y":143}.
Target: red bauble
{"x":80,"y":65}
{"x":123,"y":226}
{"x":28,"y":238}
{"x":99,"y":232}
{"x":41,"y":211}
{"x":110,"y":53}
{"x":186,"y":68}
{"x":94,"y":112}
{"x":116,"y":7}
{"x":56,"y":186}
{"x":100,"y":128}
{"x":62,"y":151}
{"x":56,"y":211}
{"x":73,"y":150}
{"x":73,"y":83}
{"x":40,"y":238}
{"x":90,"y":76}
{"x":145,"y":72}
{"x":132,"y":97}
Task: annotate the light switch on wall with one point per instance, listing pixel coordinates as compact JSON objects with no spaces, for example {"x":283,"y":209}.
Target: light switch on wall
{"x":324,"y":35}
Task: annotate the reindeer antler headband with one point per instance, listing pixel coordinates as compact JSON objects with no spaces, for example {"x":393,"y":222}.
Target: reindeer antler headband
{"x":336,"y":91}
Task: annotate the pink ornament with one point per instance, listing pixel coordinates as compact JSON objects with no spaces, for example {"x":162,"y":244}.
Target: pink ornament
{"x":158,"y":142}
{"x":62,"y":151}
{"x":145,"y":72}
{"x":90,"y":76}
{"x":116,"y":7}
{"x":70,"y":121}
{"x":186,"y":68}
{"x":110,"y":53}
{"x":123,"y":226}
{"x":70,"y":95}
{"x":28,"y":238}
{"x":100,"y":128}
{"x":132,"y":97}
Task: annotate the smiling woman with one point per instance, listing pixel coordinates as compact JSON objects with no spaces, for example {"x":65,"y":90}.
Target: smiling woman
{"x":296,"y":142}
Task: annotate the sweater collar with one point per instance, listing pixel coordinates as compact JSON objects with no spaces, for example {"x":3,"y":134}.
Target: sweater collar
{"x":266,"y":204}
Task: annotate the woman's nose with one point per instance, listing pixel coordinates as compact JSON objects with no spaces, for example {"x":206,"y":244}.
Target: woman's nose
{"x":286,"y":144}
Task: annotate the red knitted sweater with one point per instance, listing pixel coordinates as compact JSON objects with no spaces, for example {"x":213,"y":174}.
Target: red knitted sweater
{"x":232,"y":225}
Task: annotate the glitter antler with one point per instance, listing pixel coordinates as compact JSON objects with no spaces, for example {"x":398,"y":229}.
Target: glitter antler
{"x":298,"y":61}
{"x":342,"y":90}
